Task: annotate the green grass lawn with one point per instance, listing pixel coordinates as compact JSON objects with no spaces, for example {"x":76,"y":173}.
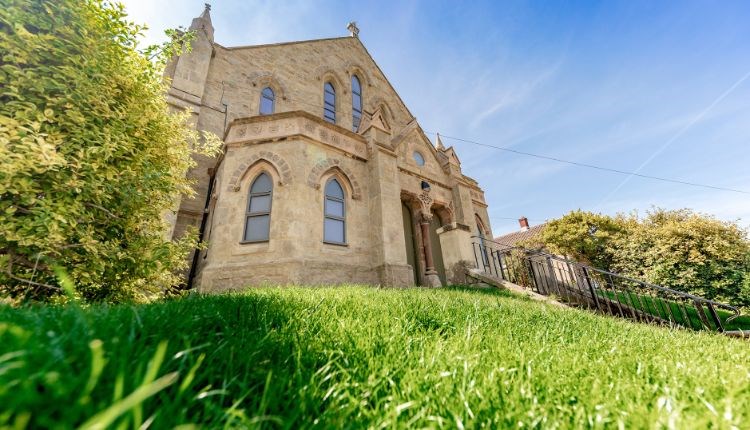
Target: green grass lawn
{"x":681,"y":313}
{"x":362,"y":357}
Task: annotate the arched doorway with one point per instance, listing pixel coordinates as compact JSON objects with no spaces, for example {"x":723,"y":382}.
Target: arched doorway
{"x":423,"y":251}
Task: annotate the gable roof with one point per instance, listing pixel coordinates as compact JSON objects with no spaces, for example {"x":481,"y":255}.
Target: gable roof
{"x":512,"y":239}
{"x":325,"y":40}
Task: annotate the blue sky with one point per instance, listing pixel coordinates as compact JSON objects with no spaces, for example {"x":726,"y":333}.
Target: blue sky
{"x":662,"y":88}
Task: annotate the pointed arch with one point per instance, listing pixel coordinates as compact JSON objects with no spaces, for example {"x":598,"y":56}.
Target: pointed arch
{"x":481,"y":226}
{"x":266,"y":79}
{"x":375,"y":103}
{"x":267,"y":104}
{"x":279,"y":166}
{"x":412,"y":138}
{"x":330,"y":102}
{"x":325,"y":73}
{"x":444,"y":212}
{"x":258,"y":209}
{"x":356,"y":102}
{"x":356,"y":69}
{"x":334,"y":212}
{"x":329,"y":165}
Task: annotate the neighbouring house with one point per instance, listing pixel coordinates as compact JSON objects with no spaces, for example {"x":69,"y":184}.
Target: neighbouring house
{"x":544,"y":269}
{"x":524,"y":236}
{"x":326,"y":176}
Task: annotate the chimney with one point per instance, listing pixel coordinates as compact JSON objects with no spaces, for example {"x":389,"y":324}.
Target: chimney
{"x":524,"y":223}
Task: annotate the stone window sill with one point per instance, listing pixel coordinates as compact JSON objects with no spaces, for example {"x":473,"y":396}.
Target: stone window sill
{"x":345,"y":245}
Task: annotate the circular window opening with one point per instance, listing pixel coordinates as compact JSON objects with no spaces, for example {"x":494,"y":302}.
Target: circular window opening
{"x":418,"y":158}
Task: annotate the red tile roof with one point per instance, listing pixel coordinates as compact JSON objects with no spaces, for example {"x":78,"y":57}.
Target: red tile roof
{"x":512,"y":239}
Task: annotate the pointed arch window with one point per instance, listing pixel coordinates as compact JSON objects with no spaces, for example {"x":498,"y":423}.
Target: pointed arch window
{"x":334,"y":223}
{"x":482,"y":244}
{"x":480,"y":226}
{"x":329,"y":103}
{"x":258,"y":213}
{"x":267,"y":101}
{"x":356,"y":102}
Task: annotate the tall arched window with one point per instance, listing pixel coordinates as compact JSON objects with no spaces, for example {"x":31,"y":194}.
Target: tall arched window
{"x":356,"y":102}
{"x":480,"y":226}
{"x":482,"y":244}
{"x":267,"y":101}
{"x":334,"y":224}
{"x":258,"y":215}
{"x":329,"y":103}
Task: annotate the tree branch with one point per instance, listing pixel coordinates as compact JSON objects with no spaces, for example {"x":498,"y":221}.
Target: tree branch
{"x":37,"y":284}
{"x":102,"y":209}
{"x":9,"y":272}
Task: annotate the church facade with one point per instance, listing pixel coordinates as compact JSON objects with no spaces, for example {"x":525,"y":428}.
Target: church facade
{"x":326,"y":177}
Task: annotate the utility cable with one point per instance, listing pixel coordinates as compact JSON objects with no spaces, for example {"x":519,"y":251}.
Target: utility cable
{"x":591,"y":166}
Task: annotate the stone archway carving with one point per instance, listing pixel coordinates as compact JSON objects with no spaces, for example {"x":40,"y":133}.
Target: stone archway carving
{"x":266,"y":79}
{"x":325,"y":73}
{"x":355,"y":69}
{"x":275,"y":160}
{"x":425,"y":203}
{"x":444,"y":212}
{"x":481,"y":226}
{"x":313,"y":179}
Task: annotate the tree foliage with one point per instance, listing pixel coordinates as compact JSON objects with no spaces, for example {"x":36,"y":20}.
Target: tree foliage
{"x":91,"y":158}
{"x":584,"y":236}
{"x":678,"y":249}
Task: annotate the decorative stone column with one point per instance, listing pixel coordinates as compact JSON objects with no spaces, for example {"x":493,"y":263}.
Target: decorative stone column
{"x":431,"y":277}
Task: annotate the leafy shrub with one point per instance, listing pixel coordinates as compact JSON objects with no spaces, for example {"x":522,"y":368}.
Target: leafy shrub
{"x":688,"y":252}
{"x":678,"y":249}
{"x":91,"y":158}
{"x":584,"y":236}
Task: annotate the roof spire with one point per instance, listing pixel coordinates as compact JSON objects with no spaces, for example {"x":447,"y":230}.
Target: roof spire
{"x":439,"y":143}
{"x":353,"y":29}
{"x":203,"y":22}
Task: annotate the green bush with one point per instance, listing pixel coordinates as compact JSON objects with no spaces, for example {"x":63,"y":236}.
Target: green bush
{"x":584,"y":236}
{"x":678,"y":249}
{"x":688,"y":252}
{"x":91,"y":159}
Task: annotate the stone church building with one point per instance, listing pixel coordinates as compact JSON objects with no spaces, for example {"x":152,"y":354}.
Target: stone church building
{"x":326,"y":176}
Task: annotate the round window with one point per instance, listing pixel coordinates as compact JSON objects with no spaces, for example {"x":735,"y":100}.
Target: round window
{"x":418,"y":158}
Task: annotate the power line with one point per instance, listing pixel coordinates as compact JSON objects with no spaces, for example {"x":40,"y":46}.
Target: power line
{"x":560,"y":160}
{"x":591,"y":166}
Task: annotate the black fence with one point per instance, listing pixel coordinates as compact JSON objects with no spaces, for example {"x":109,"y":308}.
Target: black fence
{"x":605,"y":292}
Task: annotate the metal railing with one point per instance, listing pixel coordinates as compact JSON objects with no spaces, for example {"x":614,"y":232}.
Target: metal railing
{"x":610,"y":293}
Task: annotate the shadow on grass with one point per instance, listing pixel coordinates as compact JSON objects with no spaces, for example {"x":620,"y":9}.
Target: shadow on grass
{"x":683,"y":314}
{"x":491,"y":291}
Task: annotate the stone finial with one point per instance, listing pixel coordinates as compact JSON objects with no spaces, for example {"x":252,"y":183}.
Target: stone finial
{"x":206,"y":12}
{"x":353,"y":29}
{"x":439,"y":143}
{"x":203,"y":22}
